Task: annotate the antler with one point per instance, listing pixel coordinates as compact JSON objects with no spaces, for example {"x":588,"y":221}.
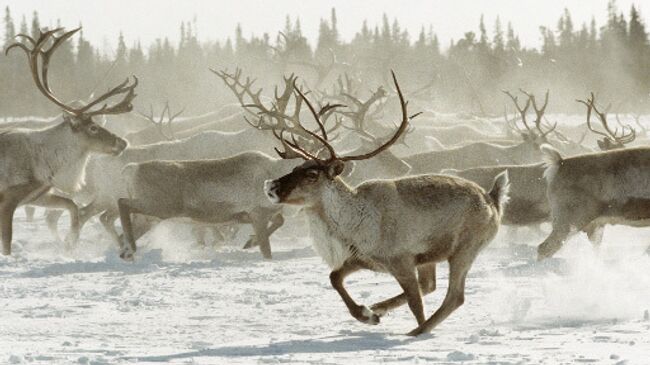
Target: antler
{"x":359,"y":116}
{"x":511,"y":123}
{"x":42,"y":83}
{"x":243,"y":89}
{"x":276,"y":117}
{"x":611,"y":138}
{"x":637,"y":121}
{"x":160,"y":123}
{"x":332,"y":153}
{"x":123,"y":106}
{"x":522,"y":111}
{"x":539,"y":113}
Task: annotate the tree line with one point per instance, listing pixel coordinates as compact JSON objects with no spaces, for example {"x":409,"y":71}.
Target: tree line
{"x":467,"y":75}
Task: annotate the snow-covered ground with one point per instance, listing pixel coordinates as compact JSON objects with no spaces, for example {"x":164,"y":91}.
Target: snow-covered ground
{"x":181,"y":304}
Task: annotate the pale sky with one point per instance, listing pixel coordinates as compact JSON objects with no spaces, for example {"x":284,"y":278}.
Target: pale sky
{"x":147,"y":20}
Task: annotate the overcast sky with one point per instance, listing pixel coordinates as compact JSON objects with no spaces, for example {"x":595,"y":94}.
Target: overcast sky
{"x":147,"y":20}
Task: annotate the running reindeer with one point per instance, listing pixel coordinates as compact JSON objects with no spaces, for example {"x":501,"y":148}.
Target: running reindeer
{"x":216,"y":190}
{"x":402,"y":226}
{"x":32,"y":162}
{"x":589,"y":191}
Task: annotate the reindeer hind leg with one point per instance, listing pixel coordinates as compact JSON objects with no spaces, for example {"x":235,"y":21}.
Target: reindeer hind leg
{"x":426,"y":281}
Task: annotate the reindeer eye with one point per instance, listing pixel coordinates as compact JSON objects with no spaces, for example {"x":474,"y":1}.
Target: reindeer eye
{"x":312,"y":175}
{"x":93,"y":129}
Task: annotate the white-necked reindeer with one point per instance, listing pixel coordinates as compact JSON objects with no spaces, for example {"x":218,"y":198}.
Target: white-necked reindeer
{"x":402,"y":226}
{"x":34,"y":161}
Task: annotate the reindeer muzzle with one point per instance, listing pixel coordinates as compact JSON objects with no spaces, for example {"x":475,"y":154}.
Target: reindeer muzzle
{"x":270,"y":190}
{"x":119,"y":146}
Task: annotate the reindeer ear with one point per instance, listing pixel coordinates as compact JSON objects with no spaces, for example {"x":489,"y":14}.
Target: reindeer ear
{"x":335,"y":168}
{"x":69,"y":118}
{"x":348,"y":169}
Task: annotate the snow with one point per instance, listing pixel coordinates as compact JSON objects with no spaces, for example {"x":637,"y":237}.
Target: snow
{"x":178,"y":303}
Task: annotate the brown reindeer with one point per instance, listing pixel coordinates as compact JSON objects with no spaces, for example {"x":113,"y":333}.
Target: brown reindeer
{"x":403,"y":226}
{"x":589,"y":191}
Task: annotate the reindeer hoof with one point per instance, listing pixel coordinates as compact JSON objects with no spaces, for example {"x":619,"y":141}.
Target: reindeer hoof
{"x":416,"y":332}
{"x":126,"y":255}
{"x":378,"y":310}
{"x":252,"y":242}
{"x":368,"y":317}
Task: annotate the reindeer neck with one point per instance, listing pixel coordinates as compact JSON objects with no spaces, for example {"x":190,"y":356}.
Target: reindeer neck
{"x":336,"y":224}
{"x":341,"y":209}
{"x":61,"y":158}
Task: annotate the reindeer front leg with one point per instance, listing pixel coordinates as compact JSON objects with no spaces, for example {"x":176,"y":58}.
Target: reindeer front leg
{"x":50,"y":200}
{"x":125,"y":207}
{"x":361,"y":313}
{"x":9,"y":200}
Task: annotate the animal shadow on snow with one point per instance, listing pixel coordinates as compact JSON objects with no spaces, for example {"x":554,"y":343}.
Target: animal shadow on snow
{"x":346,"y":342}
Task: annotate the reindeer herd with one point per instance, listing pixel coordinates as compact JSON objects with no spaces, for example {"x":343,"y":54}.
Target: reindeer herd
{"x":396,"y":200}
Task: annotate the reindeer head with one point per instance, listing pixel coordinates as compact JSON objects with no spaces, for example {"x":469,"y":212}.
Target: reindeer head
{"x":612,"y":139}
{"x":88,"y":133}
{"x":307,"y":182}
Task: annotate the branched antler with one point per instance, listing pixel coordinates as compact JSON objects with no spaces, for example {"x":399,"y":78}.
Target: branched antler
{"x":160,"y":123}
{"x":611,"y":138}
{"x":303,"y":153}
{"x":40,"y":50}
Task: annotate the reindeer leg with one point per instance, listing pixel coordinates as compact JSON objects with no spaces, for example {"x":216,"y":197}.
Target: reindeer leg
{"x":55,"y":201}
{"x":276,"y":222}
{"x":52,"y":219}
{"x":260,"y":219}
{"x":595,"y":234}
{"x":29,"y":213}
{"x":554,"y":241}
{"x":126,"y":207}
{"x":9,"y":200}
{"x":218,"y":234}
{"x":87,"y":212}
{"x":262,"y":237}
{"x":427,"y":283}
{"x":405,"y":274}
{"x":199,"y":232}
{"x":458,"y":268}
{"x":361,"y":313}
{"x":107,"y":220}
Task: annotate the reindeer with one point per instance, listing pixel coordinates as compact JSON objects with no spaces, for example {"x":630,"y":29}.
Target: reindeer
{"x":204,"y":191}
{"x":495,"y":153}
{"x":105,"y":184}
{"x":220,"y":190}
{"x":612,"y":139}
{"x":402,"y":226}
{"x":589,"y":191}
{"x":527,"y":203}
{"x":32,"y":162}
